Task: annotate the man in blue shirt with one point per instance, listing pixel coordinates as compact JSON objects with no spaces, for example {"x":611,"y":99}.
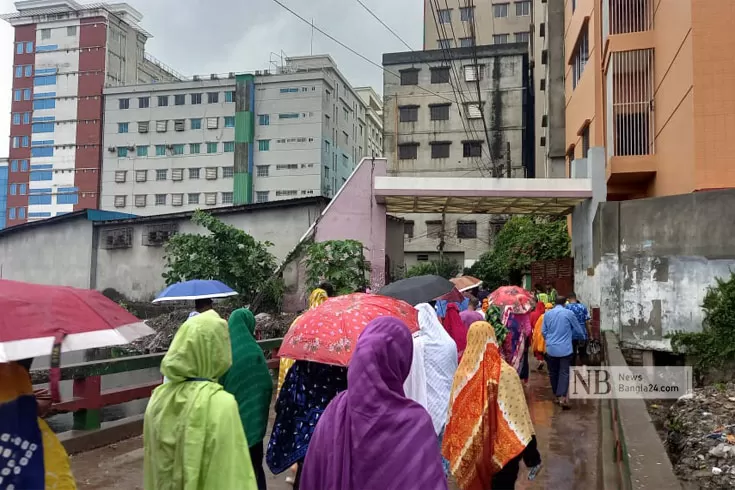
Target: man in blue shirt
{"x":579,"y":341}
{"x":558,"y":329}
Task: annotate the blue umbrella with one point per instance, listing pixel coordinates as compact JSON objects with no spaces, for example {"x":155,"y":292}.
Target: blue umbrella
{"x":195,"y":289}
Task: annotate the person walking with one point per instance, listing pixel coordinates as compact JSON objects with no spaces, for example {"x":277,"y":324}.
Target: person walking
{"x":455,"y":328}
{"x":471,"y":314}
{"x":559,"y":326}
{"x":579,"y":341}
{"x":371,"y":437}
{"x":193,"y":436}
{"x":489,"y":429}
{"x":249,"y":381}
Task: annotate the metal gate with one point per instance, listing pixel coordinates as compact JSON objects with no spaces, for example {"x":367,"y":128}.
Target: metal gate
{"x":559,"y":272}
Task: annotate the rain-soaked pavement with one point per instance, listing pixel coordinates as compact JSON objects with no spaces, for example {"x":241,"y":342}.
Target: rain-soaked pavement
{"x":568,"y":442}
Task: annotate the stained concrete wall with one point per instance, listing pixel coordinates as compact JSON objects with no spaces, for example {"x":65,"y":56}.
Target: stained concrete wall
{"x":653,"y":260}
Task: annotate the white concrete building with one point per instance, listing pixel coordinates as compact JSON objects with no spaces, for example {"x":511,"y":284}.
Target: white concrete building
{"x":374,"y":117}
{"x":171,"y":147}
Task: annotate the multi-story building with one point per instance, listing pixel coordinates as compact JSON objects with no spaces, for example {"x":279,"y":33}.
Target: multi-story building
{"x":374,"y":116}
{"x":547,"y":47}
{"x":3,"y":191}
{"x":462,"y":112}
{"x":64,"y":54}
{"x":649,"y":81}
{"x":266,"y":136}
{"x":448,"y":23}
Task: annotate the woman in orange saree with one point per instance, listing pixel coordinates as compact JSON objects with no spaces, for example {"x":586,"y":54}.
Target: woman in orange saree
{"x":489,"y":430}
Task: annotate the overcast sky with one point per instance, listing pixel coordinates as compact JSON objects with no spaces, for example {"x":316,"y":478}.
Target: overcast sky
{"x":195,"y":37}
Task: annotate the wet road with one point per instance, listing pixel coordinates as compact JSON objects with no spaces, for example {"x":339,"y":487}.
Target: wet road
{"x":568,"y":442}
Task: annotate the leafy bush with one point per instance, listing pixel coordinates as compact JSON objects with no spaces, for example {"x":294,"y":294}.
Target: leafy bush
{"x":342,"y":263}
{"x":445,"y":268}
{"x":713,"y":347}
{"x":226,"y":254}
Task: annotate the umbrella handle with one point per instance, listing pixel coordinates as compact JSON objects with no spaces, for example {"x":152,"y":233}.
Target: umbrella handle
{"x":55,"y":371}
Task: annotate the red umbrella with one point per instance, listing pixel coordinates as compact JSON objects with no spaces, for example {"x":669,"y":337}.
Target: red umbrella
{"x":520,"y":300}
{"x":40,"y":320}
{"x":328,"y":333}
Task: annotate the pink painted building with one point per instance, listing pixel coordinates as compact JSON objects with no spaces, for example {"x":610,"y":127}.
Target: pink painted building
{"x":64,"y":55}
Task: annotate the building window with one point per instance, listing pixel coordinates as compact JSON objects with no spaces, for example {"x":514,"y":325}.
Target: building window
{"x":122,"y":127}
{"x":410,"y":77}
{"x":440,"y":149}
{"x":444,"y":43}
{"x":445,"y":16}
{"x":408,"y":227}
{"x":434,"y":229}
{"x":29,"y":47}
{"x":586,"y":141}
{"x":22,"y":211}
{"x":160,"y":150}
{"x":177,"y":174}
{"x":228,"y":172}
{"x":264,"y":119}
{"x":193,"y":198}
{"x":501,"y":38}
{"x":195,"y":148}
{"x":229,"y":147}
{"x":179,"y":99}
{"x":210,"y":198}
{"x":466,"y":42}
{"x":161,"y":174}
{"x":500,"y":10}
{"x":230,"y":96}
{"x":466,"y":229}
{"x":142,"y":151}
{"x":163,"y":101}
{"x":229,"y":121}
{"x":262,"y":170}
{"x":581,"y":55}
{"x":71,"y":31}
{"x":45,"y":34}
{"x":522,"y":37}
{"x":180,"y":125}
{"x":14,"y":166}
{"x":227,"y":198}
{"x":194,"y":173}
{"x":18,"y":71}
{"x":18,"y":48}
{"x":523,"y":9}
{"x":196,"y":124}
{"x":144,"y":102}
{"x":143,"y":126}
{"x":471,"y":149}
{"x":408,"y":113}
{"x":141,"y":175}
{"x":27,"y":94}
{"x":160,"y":199}
{"x":124,"y":104}
{"x":13,"y":189}
{"x":120,"y":201}
{"x":26,"y":118}
{"x":161,"y":126}
{"x":196,"y":99}
{"x":212,"y":147}
{"x":16,"y":119}
{"x":23,"y":189}
{"x":122,"y":151}
{"x":140,"y":200}
{"x":24,"y":165}
{"x":295,"y":115}
{"x":213,"y":97}
{"x":210,"y":173}
{"x":212,"y":122}
{"x":439,"y":112}
{"x":408,"y":151}
{"x":472,"y":73}
{"x":264,"y":145}
{"x":467,"y":14}
{"x":261,"y":196}
{"x":178,"y":149}
{"x":474,"y":110}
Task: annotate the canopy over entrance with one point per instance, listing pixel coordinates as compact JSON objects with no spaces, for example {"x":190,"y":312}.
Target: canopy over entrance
{"x":458,"y":195}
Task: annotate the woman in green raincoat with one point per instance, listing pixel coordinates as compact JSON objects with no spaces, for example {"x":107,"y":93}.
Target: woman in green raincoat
{"x":251,"y":384}
{"x":193,"y":436}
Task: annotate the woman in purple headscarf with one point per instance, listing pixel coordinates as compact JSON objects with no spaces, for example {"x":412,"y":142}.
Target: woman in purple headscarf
{"x":371,"y":436}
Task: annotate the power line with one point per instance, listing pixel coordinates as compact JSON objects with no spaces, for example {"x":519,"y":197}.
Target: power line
{"x":384,"y":24}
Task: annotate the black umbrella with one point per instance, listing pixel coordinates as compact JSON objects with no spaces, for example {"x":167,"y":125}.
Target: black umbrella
{"x":419,"y":289}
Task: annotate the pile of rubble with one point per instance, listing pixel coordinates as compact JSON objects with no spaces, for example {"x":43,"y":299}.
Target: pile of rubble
{"x":700,"y":437}
{"x":166,"y":325}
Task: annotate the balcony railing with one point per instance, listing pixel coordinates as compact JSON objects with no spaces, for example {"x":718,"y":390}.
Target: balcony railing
{"x":626,"y":16}
{"x":630,"y":117}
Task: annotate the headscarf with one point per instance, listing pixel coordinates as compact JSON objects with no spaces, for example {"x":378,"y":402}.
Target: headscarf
{"x":415,"y":386}
{"x":306,"y":392}
{"x":455,"y":328}
{"x":372,"y":436}
{"x":519,"y":329}
{"x":192,"y":431}
{"x":40,"y":459}
{"x":489,"y":423}
{"x":537,"y":312}
{"x":249,"y":379}
{"x":316,"y":298}
{"x":440,"y":364}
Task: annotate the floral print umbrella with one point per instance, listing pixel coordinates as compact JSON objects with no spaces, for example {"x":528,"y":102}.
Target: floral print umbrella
{"x":520,"y":300}
{"x":328,"y":333}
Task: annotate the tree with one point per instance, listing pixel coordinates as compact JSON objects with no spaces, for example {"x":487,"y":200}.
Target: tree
{"x":522,"y":241}
{"x":225,"y":254}
{"x":342,"y":263}
{"x":444,"y":268}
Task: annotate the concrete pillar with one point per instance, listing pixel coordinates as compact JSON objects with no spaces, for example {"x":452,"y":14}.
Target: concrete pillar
{"x":593,"y":168}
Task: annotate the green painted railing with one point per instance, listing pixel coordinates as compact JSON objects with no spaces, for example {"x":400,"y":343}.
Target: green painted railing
{"x":88,"y":398}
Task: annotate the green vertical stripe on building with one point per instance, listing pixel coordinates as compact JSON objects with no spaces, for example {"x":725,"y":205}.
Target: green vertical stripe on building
{"x":243,"y":190}
{"x":244,"y":131}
